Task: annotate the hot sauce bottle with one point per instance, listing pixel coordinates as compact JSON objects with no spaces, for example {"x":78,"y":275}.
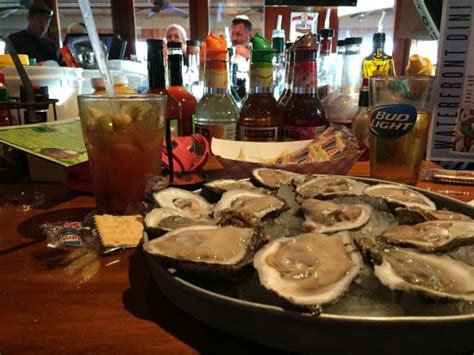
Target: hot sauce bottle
{"x":157,"y":81}
{"x":216,"y":113}
{"x":177,"y":89}
{"x":303,"y":113}
{"x":259,"y":116}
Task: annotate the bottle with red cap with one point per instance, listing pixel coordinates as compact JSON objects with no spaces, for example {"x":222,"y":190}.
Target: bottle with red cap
{"x":303,"y":113}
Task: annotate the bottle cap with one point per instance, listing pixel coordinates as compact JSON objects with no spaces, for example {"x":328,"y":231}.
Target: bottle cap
{"x":155,"y":43}
{"x":326,"y":33}
{"x":193,"y":43}
{"x":306,"y":47}
{"x":276,"y":33}
{"x":262,"y":51}
{"x":177,"y":45}
{"x":378,"y":37}
{"x":352,"y":40}
{"x":216,"y":47}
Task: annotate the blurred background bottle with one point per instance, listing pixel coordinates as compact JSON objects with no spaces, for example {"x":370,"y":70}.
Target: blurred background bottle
{"x":278,"y":44}
{"x":361,"y":124}
{"x":290,"y":62}
{"x":378,"y":62}
{"x":157,"y":81}
{"x":326,"y":64}
{"x":216,"y":113}
{"x":344,"y":106}
{"x":260,"y":117}
{"x":191,"y":78}
{"x":303,"y":113}
{"x":177,"y":89}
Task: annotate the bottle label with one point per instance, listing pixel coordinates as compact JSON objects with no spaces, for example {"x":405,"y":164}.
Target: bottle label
{"x":392,"y":121}
{"x":261,"y":75}
{"x":227,"y":131}
{"x":216,"y":74}
{"x":305,"y":75}
{"x":296,"y":133}
{"x":258,"y":134}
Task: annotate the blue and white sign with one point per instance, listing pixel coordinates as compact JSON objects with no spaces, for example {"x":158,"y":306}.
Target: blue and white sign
{"x":392,"y":121}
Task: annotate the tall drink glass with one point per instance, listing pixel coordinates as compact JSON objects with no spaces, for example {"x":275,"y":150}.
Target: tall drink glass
{"x":399,"y":123}
{"x":123,"y":136}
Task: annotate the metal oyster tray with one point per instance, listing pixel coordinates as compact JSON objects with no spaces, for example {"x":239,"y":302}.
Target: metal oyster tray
{"x":296,"y":330}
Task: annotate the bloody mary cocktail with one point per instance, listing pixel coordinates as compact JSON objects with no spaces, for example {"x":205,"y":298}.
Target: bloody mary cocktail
{"x":123,"y":137}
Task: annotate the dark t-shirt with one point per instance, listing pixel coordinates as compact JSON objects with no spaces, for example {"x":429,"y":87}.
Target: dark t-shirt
{"x":40,"y":48}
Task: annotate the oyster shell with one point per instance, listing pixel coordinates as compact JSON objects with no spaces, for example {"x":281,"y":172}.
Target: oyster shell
{"x":190,"y":204}
{"x":213,"y":190}
{"x":325,"y":216}
{"x":250,"y":203}
{"x":310,"y":269}
{"x":330,"y":186}
{"x":436,"y":276}
{"x":431,"y":236}
{"x":161,"y":220}
{"x":414,"y":215}
{"x":400,"y":195}
{"x":207,"y":250}
{"x":274,"y":178}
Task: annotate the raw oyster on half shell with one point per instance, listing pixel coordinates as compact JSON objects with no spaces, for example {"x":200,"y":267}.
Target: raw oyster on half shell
{"x":400,"y":195}
{"x":190,"y":204}
{"x":431,"y":236}
{"x":436,"y":276}
{"x":414,"y":215}
{"x":309,"y":269}
{"x":207,"y":250}
{"x":274,"y":178}
{"x":249,"y":203}
{"x":330,"y":186}
{"x":326,"y":216}
{"x":161,"y":220}
{"x":214,"y":190}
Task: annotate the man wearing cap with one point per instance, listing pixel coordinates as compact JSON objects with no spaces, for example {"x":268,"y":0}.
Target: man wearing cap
{"x":31,"y":41}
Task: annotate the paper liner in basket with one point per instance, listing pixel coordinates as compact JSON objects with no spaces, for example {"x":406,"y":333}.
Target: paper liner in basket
{"x":227,"y":152}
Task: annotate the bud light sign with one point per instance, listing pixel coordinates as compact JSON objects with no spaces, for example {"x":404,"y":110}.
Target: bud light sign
{"x":392,"y":121}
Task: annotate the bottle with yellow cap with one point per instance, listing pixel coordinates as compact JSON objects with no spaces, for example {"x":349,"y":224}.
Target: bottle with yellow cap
{"x":216,"y":113}
{"x":120,"y":85}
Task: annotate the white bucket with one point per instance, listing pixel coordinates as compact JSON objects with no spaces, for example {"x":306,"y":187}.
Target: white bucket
{"x":64,"y":84}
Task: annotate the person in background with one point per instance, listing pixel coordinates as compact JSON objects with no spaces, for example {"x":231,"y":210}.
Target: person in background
{"x":31,"y":41}
{"x":176,"y":33}
{"x":240,"y":34}
{"x":77,"y":27}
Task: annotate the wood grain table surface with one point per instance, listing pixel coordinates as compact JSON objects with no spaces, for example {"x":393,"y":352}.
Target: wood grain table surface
{"x":61,"y":301}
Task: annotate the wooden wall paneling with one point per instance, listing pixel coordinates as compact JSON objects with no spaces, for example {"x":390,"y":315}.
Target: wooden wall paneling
{"x":123,"y":22}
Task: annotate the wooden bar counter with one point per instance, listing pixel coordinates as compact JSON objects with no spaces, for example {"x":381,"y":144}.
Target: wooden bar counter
{"x":62,"y":301}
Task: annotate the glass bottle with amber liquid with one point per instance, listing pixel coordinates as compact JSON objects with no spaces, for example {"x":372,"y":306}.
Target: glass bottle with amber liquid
{"x":216,"y":113}
{"x":303,"y":113}
{"x":157,"y":81}
{"x":178,"y":91}
{"x":259,"y":116}
{"x":378,"y":63}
